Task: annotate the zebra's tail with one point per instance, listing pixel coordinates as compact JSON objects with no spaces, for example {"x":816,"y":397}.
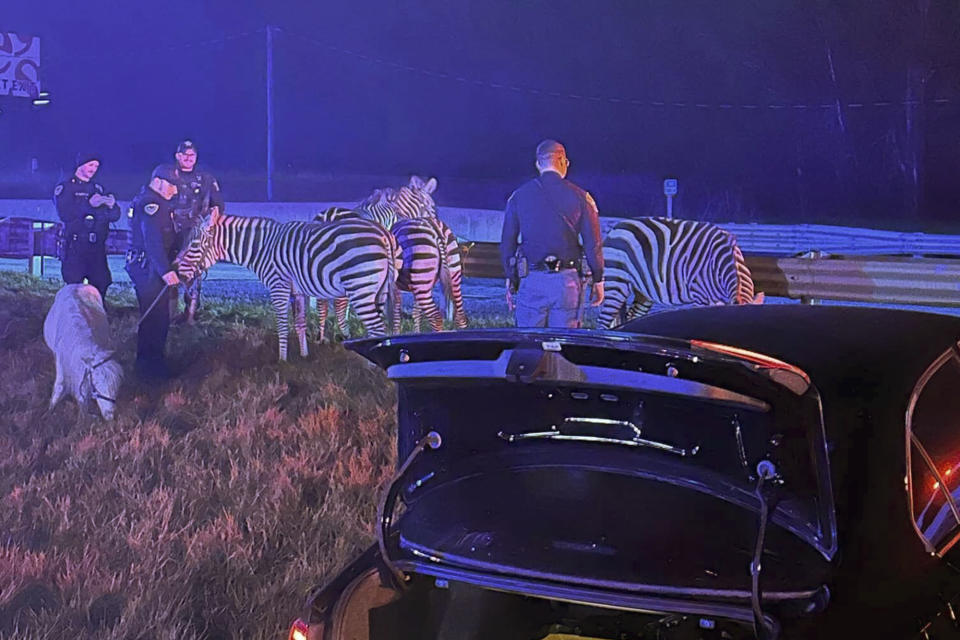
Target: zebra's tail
{"x":393,"y":301}
{"x":446,"y":282}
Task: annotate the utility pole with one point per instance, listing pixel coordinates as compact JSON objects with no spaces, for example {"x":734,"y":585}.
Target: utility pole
{"x":269,"y":113}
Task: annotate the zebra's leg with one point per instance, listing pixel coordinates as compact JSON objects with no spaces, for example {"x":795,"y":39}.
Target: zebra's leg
{"x":614,"y":298}
{"x":456,"y":292}
{"x":366,"y":305}
{"x":191,"y":300}
{"x":426,"y":305}
{"x":280,"y":299}
{"x":321,"y":318}
{"x":417,"y":317}
{"x":341,"y":306}
{"x":393,"y":294}
{"x":300,"y":323}
{"x":640,"y":306}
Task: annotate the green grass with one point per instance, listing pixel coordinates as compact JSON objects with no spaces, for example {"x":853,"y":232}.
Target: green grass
{"x":209,"y":506}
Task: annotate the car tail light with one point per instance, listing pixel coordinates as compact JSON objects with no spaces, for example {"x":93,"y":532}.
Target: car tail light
{"x":298,"y":630}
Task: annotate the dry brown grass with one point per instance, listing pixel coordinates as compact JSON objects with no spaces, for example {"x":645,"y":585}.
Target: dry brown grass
{"x":208,"y":507}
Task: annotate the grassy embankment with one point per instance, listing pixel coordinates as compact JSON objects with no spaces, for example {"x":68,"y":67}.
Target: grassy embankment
{"x":209,"y":506}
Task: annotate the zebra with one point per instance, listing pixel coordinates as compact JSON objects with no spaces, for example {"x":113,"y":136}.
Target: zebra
{"x":388,"y":205}
{"x":341,"y":305}
{"x":430,"y":252}
{"x":415,"y":200}
{"x":671,"y":262}
{"x":342,"y":259}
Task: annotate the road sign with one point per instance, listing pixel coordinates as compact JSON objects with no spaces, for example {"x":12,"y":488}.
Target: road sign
{"x":670,"y":187}
{"x":19,"y":65}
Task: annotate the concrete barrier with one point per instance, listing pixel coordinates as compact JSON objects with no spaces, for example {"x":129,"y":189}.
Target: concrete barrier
{"x":477,"y":224}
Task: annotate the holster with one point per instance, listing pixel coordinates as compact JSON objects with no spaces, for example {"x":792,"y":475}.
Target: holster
{"x":523,"y":266}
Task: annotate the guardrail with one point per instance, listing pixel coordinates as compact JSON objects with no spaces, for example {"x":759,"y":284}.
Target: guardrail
{"x":888,"y":280}
{"x":32,"y":240}
{"x":873,"y":278}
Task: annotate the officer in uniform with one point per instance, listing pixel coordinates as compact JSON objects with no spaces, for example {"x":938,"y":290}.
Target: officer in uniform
{"x":551,"y":214}
{"x":153,"y":248}
{"x":86,"y":211}
{"x":198,"y":193}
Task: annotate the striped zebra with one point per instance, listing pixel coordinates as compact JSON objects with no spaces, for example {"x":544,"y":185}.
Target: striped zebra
{"x":388,"y":205}
{"x":416,"y":201}
{"x":341,"y":305}
{"x":430,"y":253}
{"x":670,"y":262}
{"x":343,"y":259}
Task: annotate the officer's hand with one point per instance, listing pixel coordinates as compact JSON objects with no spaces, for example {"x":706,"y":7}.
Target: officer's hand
{"x":597,"y":294}
{"x":96,"y":200}
{"x":110,"y":200}
{"x":510,"y":304}
{"x":171,"y":279}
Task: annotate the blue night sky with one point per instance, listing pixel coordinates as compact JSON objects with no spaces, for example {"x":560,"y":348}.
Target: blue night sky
{"x":738,"y":99}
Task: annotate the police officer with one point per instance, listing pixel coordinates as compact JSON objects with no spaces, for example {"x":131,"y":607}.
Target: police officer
{"x":153,"y":248}
{"x":198,"y":193}
{"x":550,"y":212}
{"x":86,"y":211}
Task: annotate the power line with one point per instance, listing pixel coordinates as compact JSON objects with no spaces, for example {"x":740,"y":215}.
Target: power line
{"x":654,"y":104}
{"x":46,"y":58}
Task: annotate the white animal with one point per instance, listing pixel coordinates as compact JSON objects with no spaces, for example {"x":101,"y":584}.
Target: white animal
{"x":77,"y":332}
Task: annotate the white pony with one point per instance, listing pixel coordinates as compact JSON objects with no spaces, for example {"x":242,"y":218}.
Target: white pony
{"x":77,"y":332}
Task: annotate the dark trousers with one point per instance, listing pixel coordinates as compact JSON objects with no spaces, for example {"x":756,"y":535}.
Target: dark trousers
{"x":155,"y":318}
{"x":88,"y":260}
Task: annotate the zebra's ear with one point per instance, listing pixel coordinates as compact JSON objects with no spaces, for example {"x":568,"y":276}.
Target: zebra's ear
{"x":759,"y":298}
{"x":431,"y":185}
{"x":214,"y":216}
{"x":416,"y":182}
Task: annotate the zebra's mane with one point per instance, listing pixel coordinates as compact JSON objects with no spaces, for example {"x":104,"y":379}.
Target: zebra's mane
{"x":378,"y":196}
{"x":259,"y":219}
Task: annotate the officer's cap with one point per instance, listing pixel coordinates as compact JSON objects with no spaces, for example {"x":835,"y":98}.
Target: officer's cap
{"x":86,"y":156}
{"x":165,"y":172}
{"x":549,"y":147}
{"x":185,"y":146}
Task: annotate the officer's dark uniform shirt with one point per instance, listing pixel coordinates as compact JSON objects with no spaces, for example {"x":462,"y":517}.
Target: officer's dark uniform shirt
{"x":194,"y":188}
{"x":153,"y":232}
{"x":550,"y":213}
{"x":89,"y":224}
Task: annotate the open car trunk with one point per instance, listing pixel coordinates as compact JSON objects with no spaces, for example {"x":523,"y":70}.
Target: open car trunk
{"x":615,"y":471}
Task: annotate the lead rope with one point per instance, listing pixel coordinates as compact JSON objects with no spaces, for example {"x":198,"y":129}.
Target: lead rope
{"x":153,"y":304}
{"x":763,"y":631}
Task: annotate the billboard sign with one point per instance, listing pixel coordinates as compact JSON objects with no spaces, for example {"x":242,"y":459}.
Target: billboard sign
{"x":19,"y":65}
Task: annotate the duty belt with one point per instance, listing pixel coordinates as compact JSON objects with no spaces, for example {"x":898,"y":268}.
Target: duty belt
{"x":551,"y":263}
{"x":136,"y":255}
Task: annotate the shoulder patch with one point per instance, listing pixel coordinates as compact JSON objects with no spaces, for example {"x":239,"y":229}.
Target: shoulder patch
{"x":151,"y":209}
{"x":58,"y":190}
{"x":216,"y":186}
{"x":98,"y":187}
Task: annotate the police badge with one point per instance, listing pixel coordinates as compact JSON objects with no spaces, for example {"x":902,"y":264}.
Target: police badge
{"x":151,"y":209}
{"x":58,"y":190}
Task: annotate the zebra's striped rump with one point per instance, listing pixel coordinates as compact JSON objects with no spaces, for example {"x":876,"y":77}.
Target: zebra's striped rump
{"x":349,"y":258}
{"x":670,"y":262}
{"x":430,"y":253}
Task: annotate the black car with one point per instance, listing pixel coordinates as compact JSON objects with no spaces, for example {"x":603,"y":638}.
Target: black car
{"x":730,"y":472}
